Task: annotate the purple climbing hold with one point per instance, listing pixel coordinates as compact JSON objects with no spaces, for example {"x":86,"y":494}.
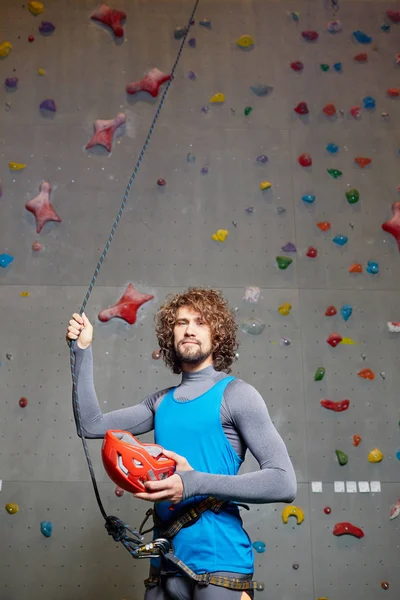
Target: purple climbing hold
{"x":262,"y":159}
{"x":204,"y":109}
{"x":192,"y":75}
{"x":192,"y":42}
{"x":48,"y":104}
{"x":11,"y":82}
{"x":204,"y":170}
{"x":249,"y":210}
{"x":46,"y":27}
{"x":289,"y":247}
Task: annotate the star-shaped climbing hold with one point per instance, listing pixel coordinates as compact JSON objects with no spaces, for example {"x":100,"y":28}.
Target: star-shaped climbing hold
{"x":104,"y":131}
{"x":392,"y":226}
{"x":41,"y":207}
{"x":111,"y":17}
{"x":127,"y":307}
{"x":151,"y":83}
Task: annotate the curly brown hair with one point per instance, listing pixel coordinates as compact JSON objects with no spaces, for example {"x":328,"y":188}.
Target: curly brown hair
{"x":214,"y":309}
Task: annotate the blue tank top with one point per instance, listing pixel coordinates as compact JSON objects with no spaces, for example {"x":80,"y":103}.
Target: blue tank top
{"x":193,"y":429}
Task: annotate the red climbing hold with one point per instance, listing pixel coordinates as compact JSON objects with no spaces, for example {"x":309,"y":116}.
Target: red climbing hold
{"x":393,"y":92}
{"x":329,"y":110}
{"x":31,"y":39}
{"x":37,"y":247}
{"x":362,"y":162}
{"x":119,"y":491}
{"x":324,"y":226}
{"x":327,"y":510}
{"x":312,"y":252}
{"x":110,"y":17}
{"x":310,"y":36}
{"x":151,"y":83}
{"x":366,"y":374}
{"x":392,"y":226}
{"x":335,"y":406}
{"x":305,"y":160}
{"x":301,"y":108}
{"x":393,"y":15}
{"x":127,"y":307}
{"x":161,"y":182}
{"x":356,"y":440}
{"x":334,"y":339}
{"x":330,"y":311}
{"x":41,"y":207}
{"x":23,"y":402}
{"x":346,"y":528}
{"x":104,"y":132}
{"x":297,"y":66}
{"x":362,"y":57}
{"x":355,"y":111}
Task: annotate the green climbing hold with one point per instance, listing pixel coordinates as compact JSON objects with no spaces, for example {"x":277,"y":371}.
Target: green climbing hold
{"x":319,"y":374}
{"x":283,"y":261}
{"x":324,"y":67}
{"x":342,"y":457}
{"x":248,"y":110}
{"x":335,"y":173}
{"x":352,"y":196}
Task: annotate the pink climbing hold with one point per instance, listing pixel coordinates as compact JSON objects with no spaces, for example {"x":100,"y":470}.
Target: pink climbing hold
{"x":41,"y":207}
{"x":393,"y":15}
{"x":104,"y":132}
{"x":151,"y":83}
{"x":127,"y":307}
{"x":392,"y":226}
{"x":111,"y":17}
{"x":37,"y":247}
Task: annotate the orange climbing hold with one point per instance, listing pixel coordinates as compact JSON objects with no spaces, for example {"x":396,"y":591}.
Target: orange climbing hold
{"x":393,"y":92}
{"x":324,"y":226}
{"x":329,"y":110}
{"x":356,"y":440}
{"x":356,"y":268}
{"x":366,"y":374}
{"x":362,"y":162}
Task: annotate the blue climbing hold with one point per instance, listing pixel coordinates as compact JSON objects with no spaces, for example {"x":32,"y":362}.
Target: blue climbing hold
{"x":308,"y":198}
{"x":340,"y":240}
{"x":332,"y":148}
{"x":372,"y":267}
{"x":259,"y":547}
{"x":369,"y":102}
{"x":398,"y":453}
{"x":46,"y":527}
{"x":385,"y":27}
{"x":338,"y":67}
{"x":346,"y":311}
{"x":5,"y":260}
{"x":362,"y":37}
{"x":260,"y":89}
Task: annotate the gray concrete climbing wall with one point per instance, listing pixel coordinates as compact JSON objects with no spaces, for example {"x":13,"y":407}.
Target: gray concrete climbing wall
{"x":163,"y":244}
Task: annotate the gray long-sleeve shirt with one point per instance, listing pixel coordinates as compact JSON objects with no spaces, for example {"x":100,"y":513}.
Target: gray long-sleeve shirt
{"x":244,"y":418}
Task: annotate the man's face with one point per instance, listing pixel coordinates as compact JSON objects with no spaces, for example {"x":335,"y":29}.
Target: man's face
{"x":192,"y":338}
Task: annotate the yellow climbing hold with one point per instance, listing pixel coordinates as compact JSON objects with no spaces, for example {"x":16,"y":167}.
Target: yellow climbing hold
{"x":245,"y":41}
{"x":292,"y":511}
{"x":375,"y":456}
{"x":36,"y":8}
{"x":12,"y":508}
{"x":5,"y":49}
{"x":264,"y":185}
{"x":24,"y":294}
{"x":221,"y":235}
{"x":285,"y":308}
{"x":347,"y":341}
{"x":217,"y":98}
{"x":16,"y":166}
{"x":41,"y":72}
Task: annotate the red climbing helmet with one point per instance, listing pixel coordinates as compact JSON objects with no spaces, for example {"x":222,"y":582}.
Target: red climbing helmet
{"x":129,"y":463}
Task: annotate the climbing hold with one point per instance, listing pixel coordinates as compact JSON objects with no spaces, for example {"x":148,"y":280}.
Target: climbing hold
{"x":265,"y":185}
{"x":12,"y":508}
{"x":220,"y":235}
{"x":340,"y":240}
{"x":319,"y":374}
{"x":253,"y":325}
{"x":362,"y":38}
{"x":192,"y":42}
{"x":324,"y":226}
{"x":375,"y":456}
{"x":385,"y":585}
{"x":252,"y":294}
{"x":156,"y":354}
{"x":335,"y":173}
{"x":310,"y":36}
{"x":346,"y":528}
{"x":295,"y":566}
{"x":217,"y":98}
{"x":284,"y":342}
{"x":330,"y":311}
{"x":110,"y":17}
{"x":5,"y":260}
{"x":161,"y":182}
{"x":335,"y":406}
{"x":308,"y":198}
{"x":23,"y":402}
{"x":180,"y":32}
{"x":397,"y":59}
{"x":204,"y":170}
{"x":334,"y":26}
{"x":261,"y":89}
{"x":31,"y":39}
{"x":392,"y":226}
{"x":36,"y":8}
{"x":312,"y":252}
{"x":395,"y":510}
{"x":372,"y":267}
{"x":366,"y":374}
{"x":327,"y":510}
{"x":5,"y":49}
{"x":119,"y":491}
{"x":342,"y":457}
{"x":190,"y":158}
{"x":369,"y":102}
{"x":11,"y":82}
{"x":205,"y":23}
{"x":284,"y":309}
{"x":289,"y":247}
{"x":297,"y":66}
{"x":361,"y":57}
{"x":347,"y":341}
{"x":324,"y":67}
{"x":259,"y":547}
{"x":126,"y":307}
{"x":334,"y":339}
{"x":355,"y":112}
{"x":245,"y":41}
{"x":393,"y":15}
{"x":393,"y":92}
{"x":329,"y":110}
{"x":305,"y":160}
{"x":362,"y":162}
{"x":292,"y":511}
{"x":332,"y":148}
{"x":262,"y":159}
{"x":41,"y":207}
{"x":191,"y":75}
{"x":338,"y":67}
{"x":356,"y":268}
{"x":301,"y":108}
{"x":46,"y":27}
{"x":393,"y":326}
{"x":14,"y":166}
{"x":48,"y":104}
{"x":352,"y":196}
{"x":294,"y":15}
{"x":247,"y":110}
{"x":249,"y":210}
{"x":281,"y":210}
{"x":283,"y":262}
{"x":356,"y":440}
{"x":46,"y":527}
{"x":385,"y":27}
{"x":150,"y":83}
{"x":104,"y":132}
{"x":346,"y":311}
{"x":41,"y":72}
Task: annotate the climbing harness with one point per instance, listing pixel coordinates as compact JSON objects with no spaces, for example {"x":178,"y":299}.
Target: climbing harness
{"x":131,"y":539}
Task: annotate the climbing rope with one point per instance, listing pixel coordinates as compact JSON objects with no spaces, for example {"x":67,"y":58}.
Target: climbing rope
{"x":115,"y":527}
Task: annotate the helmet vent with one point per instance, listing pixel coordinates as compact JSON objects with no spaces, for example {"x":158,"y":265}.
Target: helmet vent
{"x":121,"y":465}
{"x":137,"y":463}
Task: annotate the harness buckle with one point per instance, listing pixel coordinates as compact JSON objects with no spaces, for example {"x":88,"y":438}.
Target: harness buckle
{"x":206,"y":580}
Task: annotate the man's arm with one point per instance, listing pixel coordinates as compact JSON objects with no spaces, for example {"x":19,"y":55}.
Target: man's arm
{"x":275,"y":481}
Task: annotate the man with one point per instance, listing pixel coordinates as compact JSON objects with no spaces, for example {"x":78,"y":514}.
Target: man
{"x":205,"y":424}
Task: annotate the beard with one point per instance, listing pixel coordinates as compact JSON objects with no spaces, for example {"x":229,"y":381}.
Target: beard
{"x":191,"y":353}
